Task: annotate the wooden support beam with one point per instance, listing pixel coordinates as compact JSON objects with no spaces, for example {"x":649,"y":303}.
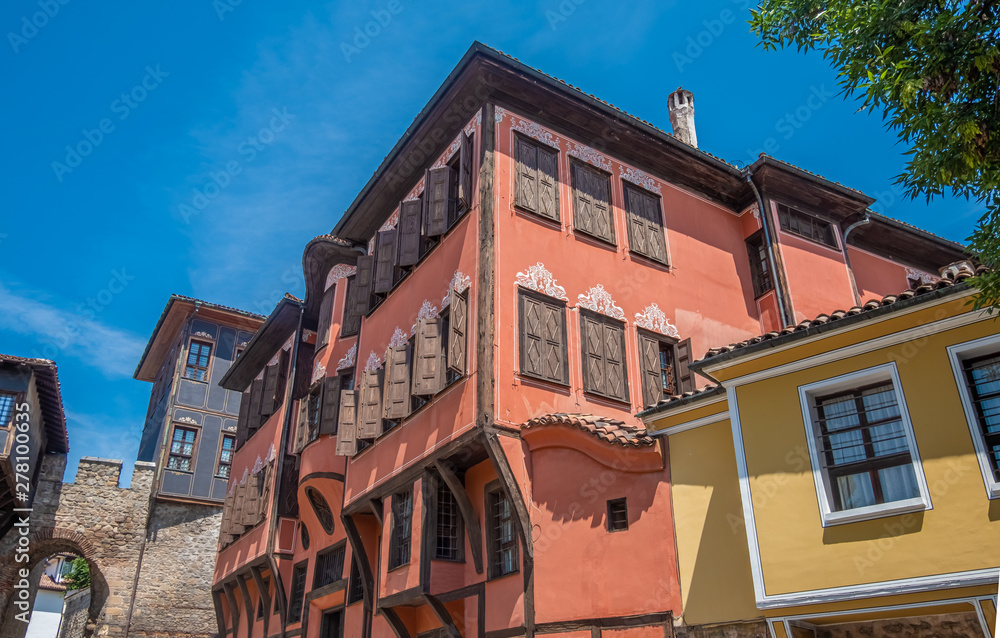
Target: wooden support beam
{"x":248,"y":604}
{"x":234,"y":610}
{"x":443,"y":615}
{"x":265,"y":593}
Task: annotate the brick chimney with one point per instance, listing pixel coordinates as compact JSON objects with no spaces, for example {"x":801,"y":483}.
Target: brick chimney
{"x":681,"y":107}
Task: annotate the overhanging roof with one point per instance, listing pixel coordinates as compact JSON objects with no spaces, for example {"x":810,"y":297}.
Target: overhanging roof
{"x":271,"y":335}
{"x":168,"y":326}
{"x":50,"y":399}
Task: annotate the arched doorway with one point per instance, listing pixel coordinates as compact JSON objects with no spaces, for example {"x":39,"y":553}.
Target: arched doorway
{"x":17,"y":576}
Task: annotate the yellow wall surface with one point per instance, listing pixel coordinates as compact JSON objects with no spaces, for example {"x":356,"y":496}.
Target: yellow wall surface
{"x":714,"y":563}
{"x":961,"y":532}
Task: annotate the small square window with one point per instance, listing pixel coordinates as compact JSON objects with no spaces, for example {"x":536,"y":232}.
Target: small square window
{"x":617,"y":515}
{"x":329,"y":566}
{"x":805,"y":225}
{"x":182,"y":449}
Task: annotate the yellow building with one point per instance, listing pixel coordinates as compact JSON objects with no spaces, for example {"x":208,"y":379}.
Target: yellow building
{"x":843,"y":478}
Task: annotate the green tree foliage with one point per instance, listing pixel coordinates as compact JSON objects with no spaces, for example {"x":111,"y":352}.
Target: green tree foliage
{"x":79,"y":575}
{"x":933,"y":70}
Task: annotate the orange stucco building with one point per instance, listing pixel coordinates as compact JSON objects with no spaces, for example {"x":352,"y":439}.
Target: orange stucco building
{"x":441,"y":437}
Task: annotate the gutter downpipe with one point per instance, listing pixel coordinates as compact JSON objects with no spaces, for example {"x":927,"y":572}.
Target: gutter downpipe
{"x":772,"y":262}
{"x":847,"y":258}
{"x":279,"y":464}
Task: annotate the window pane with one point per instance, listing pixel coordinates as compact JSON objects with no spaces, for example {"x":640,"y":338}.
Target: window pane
{"x":6,"y":408}
{"x":856,"y":490}
{"x":898,"y":483}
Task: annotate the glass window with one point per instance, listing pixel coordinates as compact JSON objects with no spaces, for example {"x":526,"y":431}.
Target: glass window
{"x":199,"y":355}
{"x":449,"y":525}
{"x":503,"y":538}
{"x":6,"y":408}
{"x":226,"y":455}
{"x":402,"y":515}
{"x":182,"y":449}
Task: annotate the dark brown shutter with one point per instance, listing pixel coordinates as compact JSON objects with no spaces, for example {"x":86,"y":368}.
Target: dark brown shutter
{"x":243,"y":424}
{"x":543,"y":339}
{"x":645,"y":224}
{"x":279,"y":391}
{"x":255,"y":412}
{"x":270,"y":389}
{"x":225,"y":527}
{"x":385,"y":261}
{"x":303,"y":370}
{"x":325,"y":317}
{"x":465,"y":173}
{"x":236,"y":526}
{"x":331,"y":405}
{"x":592,"y":211}
{"x":429,"y":367}
{"x":363,"y":281}
{"x":352,"y":319}
{"x":301,"y":425}
{"x":457,"y":328}
{"x":615,"y":372}
{"x":408,"y":238}
{"x":548,"y":183}
{"x":594,"y":372}
{"x":526,"y":175}
{"x":265,"y":492}
{"x":348,"y":426}
{"x":397,"y":382}
{"x":649,"y":366}
{"x":251,"y":502}
{"x":685,"y":378}
{"x":370,"y":417}
{"x":437,"y":200}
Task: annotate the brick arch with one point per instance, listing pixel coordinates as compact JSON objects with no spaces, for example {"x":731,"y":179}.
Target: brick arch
{"x":43,"y":543}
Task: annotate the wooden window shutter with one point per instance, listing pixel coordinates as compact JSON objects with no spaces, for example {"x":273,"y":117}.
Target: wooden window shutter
{"x":437,"y":201}
{"x":526,"y":176}
{"x":303,"y":370}
{"x":429,"y":367}
{"x":370,"y":417}
{"x":615,"y":366}
{"x":225,"y":527}
{"x":331,"y":405}
{"x":385,"y":261}
{"x":592,"y":212}
{"x":457,"y":329}
{"x":592,"y":338}
{"x":265,"y":493}
{"x":251,"y":501}
{"x":347,"y":429}
{"x":363,"y":281}
{"x":325,"y":317}
{"x":465,"y":173}
{"x":397,"y":382}
{"x":543,"y":339}
{"x":548,"y":183}
{"x":270,"y":390}
{"x":279,"y":391}
{"x":301,"y":425}
{"x":685,"y":378}
{"x":645,"y":224}
{"x":236,"y":520}
{"x":243,"y":424}
{"x":352,"y":319}
{"x":256,"y":390}
{"x":649,"y":365}
{"x":409,"y":239}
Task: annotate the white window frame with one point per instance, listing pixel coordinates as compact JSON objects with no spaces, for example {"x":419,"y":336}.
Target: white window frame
{"x":807,"y":395}
{"x":957,"y":353}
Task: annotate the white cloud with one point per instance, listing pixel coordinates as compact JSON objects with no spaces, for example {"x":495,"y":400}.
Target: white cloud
{"x":63,"y":330}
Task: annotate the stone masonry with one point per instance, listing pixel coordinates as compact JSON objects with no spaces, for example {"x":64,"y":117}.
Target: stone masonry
{"x":106,"y":524}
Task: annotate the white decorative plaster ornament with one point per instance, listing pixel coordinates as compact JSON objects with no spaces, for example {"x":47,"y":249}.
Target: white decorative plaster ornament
{"x":399,"y":338}
{"x":246,"y":473}
{"x":460,"y":282}
{"x":373,"y":363}
{"x":337,"y":273}
{"x":257,"y":466}
{"x":539,"y":279}
{"x":319,"y":371}
{"x":498,"y":114}
{"x":348,"y":360}
{"x":536,"y":131}
{"x":186,"y":419}
{"x":444,"y":159}
{"x":654,"y":319}
{"x":203,"y":334}
{"x":427,"y":311}
{"x":589,"y":155}
{"x":391,"y":222}
{"x":921,"y":276}
{"x":270,"y":454}
{"x":599,"y":300}
{"x":639,"y":178}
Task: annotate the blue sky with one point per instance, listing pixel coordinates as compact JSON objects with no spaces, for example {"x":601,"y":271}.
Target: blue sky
{"x":210,"y":140}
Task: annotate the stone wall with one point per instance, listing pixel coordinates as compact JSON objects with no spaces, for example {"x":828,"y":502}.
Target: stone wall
{"x":76,"y":606}
{"x":175,"y":582}
{"x":757,"y":629}
{"x":940,"y":626}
